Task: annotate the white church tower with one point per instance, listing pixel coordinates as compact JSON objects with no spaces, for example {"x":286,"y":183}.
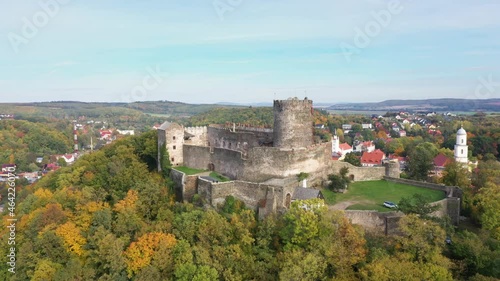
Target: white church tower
{"x":335,"y":143}
{"x":461,"y":148}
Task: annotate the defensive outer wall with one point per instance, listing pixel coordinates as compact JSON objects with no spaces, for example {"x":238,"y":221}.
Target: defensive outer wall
{"x":387,"y":222}
{"x":259,"y":164}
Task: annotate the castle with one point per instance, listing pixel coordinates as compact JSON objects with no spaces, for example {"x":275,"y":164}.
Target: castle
{"x":262,"y":163}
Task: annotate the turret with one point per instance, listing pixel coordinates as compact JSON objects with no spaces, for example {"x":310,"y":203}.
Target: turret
{"x":293,"y":123}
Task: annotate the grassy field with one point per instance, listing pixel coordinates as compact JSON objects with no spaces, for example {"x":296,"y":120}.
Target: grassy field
{"x":189,"y":171}
{"x":219,"y":177}
{"x":370,"y":195}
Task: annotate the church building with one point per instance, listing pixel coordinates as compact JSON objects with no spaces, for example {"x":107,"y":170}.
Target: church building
{"x":461,"y":148}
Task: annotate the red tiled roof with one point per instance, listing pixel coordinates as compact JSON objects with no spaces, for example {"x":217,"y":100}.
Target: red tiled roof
{"x":399,"y":158}
{"x":345,"y":146}
{"x":441,"y":160}
{"x":367,"y":143}
{"x":374,"y":157}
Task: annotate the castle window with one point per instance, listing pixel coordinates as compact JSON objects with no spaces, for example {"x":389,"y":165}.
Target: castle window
{"x":173,"y":137}
{"x":462,"y":140}
{"x":175,"y":147}
{"x":172,"y":159}
{"x":462,"y":152}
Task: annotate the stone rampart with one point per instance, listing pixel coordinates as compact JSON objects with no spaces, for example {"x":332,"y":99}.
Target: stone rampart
{"x":449,"y":190}
{"x":263,"y":163}
{"x":185,"y":186}
{"x":248,"y":192}
{"x":197,"y":157}
{"x":370,"y":220}
{"x":358,"y":173}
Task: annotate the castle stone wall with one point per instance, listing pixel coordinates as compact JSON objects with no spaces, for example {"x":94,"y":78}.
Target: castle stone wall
{"x":448,"y":207}
{"x":178,"y":179}
{"x":449,"y":191}
{"x":358,"y":173}
{"x":392,"y":225}
{"x":227,"y":162}
{"x":248,"y":192}
{"x":241,"y":140}
{"x":185,"y":186}
{"x":190,"y":186}
{"x":293,"y":123}
{"x":205,"y":190}
{"x":199,"y":136}
{"x":264,"y":163}
{"x":197,"y":157}
{"x":370,"y":220}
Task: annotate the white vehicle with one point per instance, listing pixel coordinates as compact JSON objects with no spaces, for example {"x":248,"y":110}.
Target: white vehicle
{"x":390,"y":205}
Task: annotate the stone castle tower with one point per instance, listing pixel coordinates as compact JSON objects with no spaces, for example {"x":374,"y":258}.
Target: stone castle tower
{"x":293,"y":123}
{"x":461,"y":148}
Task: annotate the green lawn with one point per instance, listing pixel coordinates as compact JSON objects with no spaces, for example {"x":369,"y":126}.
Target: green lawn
{"x":219,"y":177}
{"x":189,"y":171}
{"x":370,"y":195}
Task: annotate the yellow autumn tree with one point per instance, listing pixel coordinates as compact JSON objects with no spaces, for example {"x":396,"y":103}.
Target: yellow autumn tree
{"x":43,"y":197}
{"x":73,"y":240}
{"x":139,"y":254}
{"x":87,"y":211}
{"x":128,"y":203}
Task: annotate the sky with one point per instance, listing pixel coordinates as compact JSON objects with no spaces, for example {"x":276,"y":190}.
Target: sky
{"x":245,"y":51}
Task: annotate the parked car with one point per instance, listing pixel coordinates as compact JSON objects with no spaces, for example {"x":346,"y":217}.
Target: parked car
{"x":390,"y":205}
{"x":448,"y":240}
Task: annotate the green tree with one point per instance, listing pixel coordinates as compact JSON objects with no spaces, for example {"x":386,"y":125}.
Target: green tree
{"x":478,"y":254}
{"x":298,"y":265}
{"x":353,"y":158}
{"x":302,"y":223}
{"x":420,"y":161}
{"x":489,"y":202}
{"x":61,"y":162}
{"x":339,"y":182}
{"x":417,"y":204}
{"x":456,"y":174}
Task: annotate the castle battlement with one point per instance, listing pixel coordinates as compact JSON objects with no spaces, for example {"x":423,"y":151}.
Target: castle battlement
{"x":202,"y":129}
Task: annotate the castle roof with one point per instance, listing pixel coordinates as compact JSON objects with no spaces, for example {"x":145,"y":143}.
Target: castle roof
{"x":165,"y":125}
{"x":306,"y":193}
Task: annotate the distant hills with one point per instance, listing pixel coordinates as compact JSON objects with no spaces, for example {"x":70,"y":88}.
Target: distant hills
{"x":170,"y":108}
{"x":438,"y":105}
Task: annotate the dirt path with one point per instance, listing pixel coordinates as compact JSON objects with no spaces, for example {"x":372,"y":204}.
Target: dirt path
{"x":345,"y":204}
{"x":342,"y":205}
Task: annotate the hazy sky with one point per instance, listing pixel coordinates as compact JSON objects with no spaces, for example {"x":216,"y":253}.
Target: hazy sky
{"x":247,"y":50}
